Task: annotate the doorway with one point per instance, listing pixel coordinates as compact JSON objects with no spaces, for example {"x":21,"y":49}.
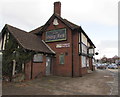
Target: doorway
{"x":48,"y":65}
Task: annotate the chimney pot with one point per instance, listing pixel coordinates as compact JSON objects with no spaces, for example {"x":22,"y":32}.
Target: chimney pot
{"x":57,"y":8}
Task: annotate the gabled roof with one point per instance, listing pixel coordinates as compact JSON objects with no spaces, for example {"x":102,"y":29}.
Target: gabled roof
{"x":37,"y":30}
{"x":66,"y":22}
{"x":69,"y":24}
{"x":27,"y":40}
{"x":72,"y":25}
{"x":89,"y":40}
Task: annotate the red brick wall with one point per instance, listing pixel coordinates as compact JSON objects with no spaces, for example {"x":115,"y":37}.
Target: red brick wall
{"x":90,"y":63}
{"x":80,"y":70}
{"x":28,"y":71}
{"x":38,"y":69}
{"x":57,"y":8}
{"x":76,"y":60}
{"x":61,"y":69}
{"x":84,"y":71}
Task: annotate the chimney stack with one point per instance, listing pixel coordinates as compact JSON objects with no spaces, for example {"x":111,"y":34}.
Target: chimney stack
{"x":57,"y":8}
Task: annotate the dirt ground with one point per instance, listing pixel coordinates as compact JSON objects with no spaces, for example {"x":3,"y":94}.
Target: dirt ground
{"x":98,"y":82}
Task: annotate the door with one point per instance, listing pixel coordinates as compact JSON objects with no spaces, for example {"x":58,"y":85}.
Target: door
{"x":48,"y":65}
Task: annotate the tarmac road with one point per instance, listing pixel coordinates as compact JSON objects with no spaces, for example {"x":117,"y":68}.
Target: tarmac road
{"x":114,"y":84}
{"x":99,"y":82}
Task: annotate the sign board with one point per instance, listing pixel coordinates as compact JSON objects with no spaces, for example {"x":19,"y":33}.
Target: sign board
{"x":63,"y":45}
{"x":56,"y":35}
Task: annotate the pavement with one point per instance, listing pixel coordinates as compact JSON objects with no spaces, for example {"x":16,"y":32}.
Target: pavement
{"x":99,"y":82}
{"x":114,"y":83}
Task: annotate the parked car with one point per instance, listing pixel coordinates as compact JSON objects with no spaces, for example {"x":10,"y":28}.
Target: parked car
{"x":113,"y":66}
{"x":97,"y":65}
{"x":101,"y":66}
{"x":106,"y":64}
{"x":118,"y":65}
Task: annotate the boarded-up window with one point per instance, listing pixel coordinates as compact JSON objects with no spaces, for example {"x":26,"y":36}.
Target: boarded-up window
{"x":84,"y":39}
{"x":38,"y":58}
{"x":83,"y":61}
{"x":87,"y":62}
{"x":84,"y":48}
{"x":61,"y":58}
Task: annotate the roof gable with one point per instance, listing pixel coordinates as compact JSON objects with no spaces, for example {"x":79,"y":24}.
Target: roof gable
{"x":66,"y":22}
{"x":87,"y":37}
{"x":37,"y":30}
{"x":69,"y":24}
{"x":28,"y":40}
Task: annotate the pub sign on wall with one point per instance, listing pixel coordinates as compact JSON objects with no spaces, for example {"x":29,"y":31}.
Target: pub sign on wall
{"x":56,"y":35}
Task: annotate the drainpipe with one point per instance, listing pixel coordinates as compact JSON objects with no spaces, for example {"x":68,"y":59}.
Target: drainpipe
{"x":31,"y":67}
{"x":80,"y":54}
{"x":72,"y":58}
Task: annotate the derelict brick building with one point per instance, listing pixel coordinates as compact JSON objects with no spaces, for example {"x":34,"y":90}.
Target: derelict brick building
{"x":61,"y":47}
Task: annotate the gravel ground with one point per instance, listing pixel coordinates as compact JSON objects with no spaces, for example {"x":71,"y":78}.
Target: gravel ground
{"x":99,"y":82}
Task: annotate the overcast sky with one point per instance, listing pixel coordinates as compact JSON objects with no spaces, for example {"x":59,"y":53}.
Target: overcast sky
{"x":98,"y":18}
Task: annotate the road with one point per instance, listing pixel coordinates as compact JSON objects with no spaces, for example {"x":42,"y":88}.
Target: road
{"x":114,"y":84}
{"x":99,"y":82}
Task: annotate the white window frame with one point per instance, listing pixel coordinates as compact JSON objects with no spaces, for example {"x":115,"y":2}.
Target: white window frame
{"x":91,"y":51}
{"x":88,"y":62}
{"x":84,"y":39}
{"x":84,"y":48}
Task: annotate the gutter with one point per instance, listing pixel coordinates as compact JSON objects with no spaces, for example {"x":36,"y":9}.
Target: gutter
{"x":48,"y":47}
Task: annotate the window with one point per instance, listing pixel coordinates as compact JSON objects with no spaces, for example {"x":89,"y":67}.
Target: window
{"x":84,"y":49}
{"x":93,"y":61}
{"x":62,"y":59}
{"x":83,"y":58}
{"x":87,"y":62}
{"x":84,"y":39}
{"x":91,"y":50}
{"x":38,"y":58}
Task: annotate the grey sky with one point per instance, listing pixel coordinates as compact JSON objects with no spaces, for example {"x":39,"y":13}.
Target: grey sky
{"x":98,"y":18}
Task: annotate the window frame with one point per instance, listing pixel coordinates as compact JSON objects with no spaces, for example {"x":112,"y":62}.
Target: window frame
{"x":82,"y":48}
{"x":40,"y":60}
{"x":83,"y":63}
{"x":62,"y":58}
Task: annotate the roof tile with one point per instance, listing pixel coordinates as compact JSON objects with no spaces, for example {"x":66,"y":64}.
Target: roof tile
{"x":28,"y":40}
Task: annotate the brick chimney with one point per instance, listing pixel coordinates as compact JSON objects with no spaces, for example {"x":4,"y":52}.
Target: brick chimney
{"x":57,"y":8}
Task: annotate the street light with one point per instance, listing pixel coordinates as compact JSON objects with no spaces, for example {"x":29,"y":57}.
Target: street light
{"x":96,"y":53}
